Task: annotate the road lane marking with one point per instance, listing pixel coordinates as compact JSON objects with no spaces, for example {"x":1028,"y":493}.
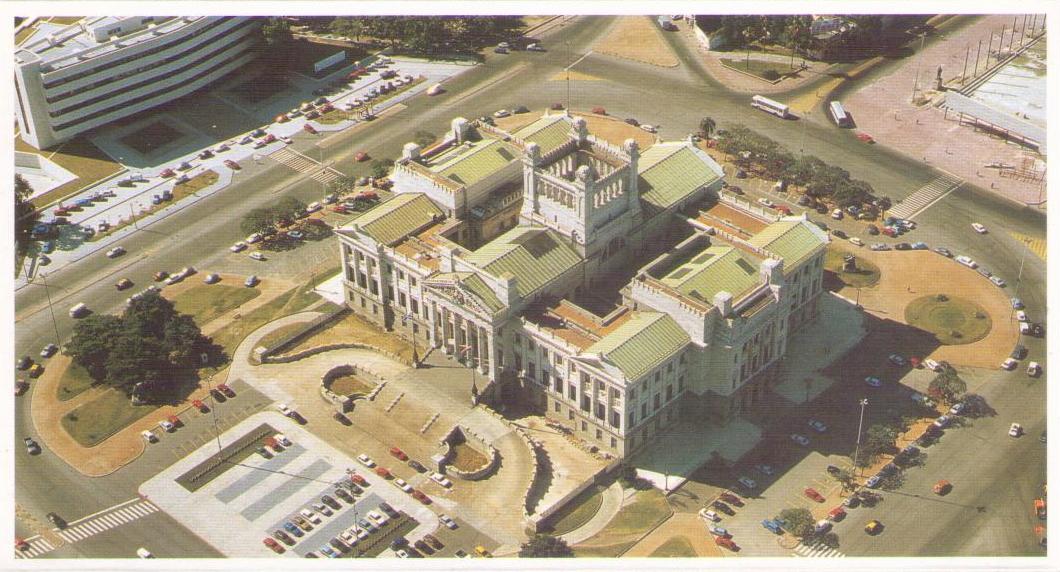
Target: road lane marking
{"x":925,"y":197}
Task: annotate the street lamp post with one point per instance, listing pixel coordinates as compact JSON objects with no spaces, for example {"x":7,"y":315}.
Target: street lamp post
{"x":47,"y":292}
{"x":861,"y":419}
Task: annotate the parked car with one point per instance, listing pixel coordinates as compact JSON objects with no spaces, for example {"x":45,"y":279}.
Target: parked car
{"x":1015,"y":430}
{"x":723,"y":507}
{"x":232,"y":165}
{"x":764,"y":469}
{"x":1034,"y":369}
{"x":800,"y":439}
{"x":979,"y":228}
{"x":447,"y":521}
{"x":772,"y":526}
{"x":812,"y":494}
{"x":818,"y":426}
{"x":709,"y":515}
{"x":747,"y":483}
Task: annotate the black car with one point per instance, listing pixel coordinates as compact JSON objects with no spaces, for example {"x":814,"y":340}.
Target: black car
{"x":838,"y":233}
{"x":903,"y":246}
{"x":344,"y":495}
{"x":520,"y":109}
{"x":889,"y":469}
{"x":486,"y":119}
{"x":417,"y":466}
{"x":331,"y":502}
{"x":723,"y":507}
{"x":422,"y":547}
{"x":24,"y":362}
{"x":283,"y":537}
{"x":834,"y":470}
{"x":385,"y":507}
{"x":218,"y":396}
{"x":821,"y":209}
{"x":257,"y":132}
{"x":433,"y":541}
{"x":206,"y":154}
{"x":873,"y":229}
{"x":339,"y":545}
{"x":356,"y":489}
{"x":1037,"y":330}
{"x":341,"y":418}
{"x":633,"y":122}
{"x":803,"y":201}
{"x":398,"y":543}
{"x":57,"y":520}
{"x":821,"y":225}
{"x":734,"y":189}
{"x":1019,"y":352}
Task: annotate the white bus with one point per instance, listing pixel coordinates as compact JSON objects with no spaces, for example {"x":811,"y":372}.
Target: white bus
{"x":839,"y":115}
{"x":770,"y":106}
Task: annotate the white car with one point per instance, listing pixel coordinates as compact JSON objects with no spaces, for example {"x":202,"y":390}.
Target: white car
{"x":366,"y":460}
{"x":313,"y":207}
{"x":648,"y":128}
{"x":1021,"y":315}
{"x":212,"y":278}
{"x":962,"y":259}
{"x":257,"y":255}
{"x":896,"y":359}
{"x":873,"y":381}
{"x":349,"y":537}
{"x":283,"y":408}
{"x":115,"y":252}
{"x":837,"y":214}
{"x":144,"y":553}
{"x":282,"y":439}
{"x":765,"y":203}
{"x":709,"y":515}
{"x":447,"y":521}
{"x":1034,"y":369}
{"x":1009,"y":364}
{"x":932,"y":365}
{"x":166,"y":426}
{"x":286,"y":140}
{"x":149,"y":436}
{"x":502,"y":113}
{"x":856,"y":241}
{"x":747,"y":482}
{"x":997,"y":281}
{"x":322,"y":509}
{"x":238,"y":247}
{"x":979,"y":228}
{"x":441,"y":480}
{"x":402,"y":553}
{"x":401,"y":484}
{"x":256,"y":237}
{"x":378,"y":517}
{"x":817,"y":426}
{"x":1015,"y":430}
{"x":800,"y":439}
{"x":309,"y":515}
{"x":360,"y":532}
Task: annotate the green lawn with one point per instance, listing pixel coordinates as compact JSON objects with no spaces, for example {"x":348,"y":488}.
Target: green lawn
{"x":205,"y":302}
{"x":78,"y":156}
{"x":279,"y":334}
{"x":867,"y":274}
{"x":102,"y":417}
{"x":290,"y":302}
{"x":648,"y":510}
{"x":953,"y":321}
{"x":767,"y":70}
{"x":578,"y":512}
{"x":676,"y":547}
{"x":74,"y":382}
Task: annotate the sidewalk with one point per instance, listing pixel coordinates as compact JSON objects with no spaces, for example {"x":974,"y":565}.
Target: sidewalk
{"x":612,"y":502}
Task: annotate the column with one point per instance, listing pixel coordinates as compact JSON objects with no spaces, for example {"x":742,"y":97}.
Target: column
{"x":486,"y":351}
{"x":447,"y":348}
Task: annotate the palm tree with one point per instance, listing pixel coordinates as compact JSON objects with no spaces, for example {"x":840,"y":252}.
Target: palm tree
{"x":707,"y":125}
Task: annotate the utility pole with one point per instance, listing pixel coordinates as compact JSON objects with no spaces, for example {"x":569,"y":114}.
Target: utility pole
{"x":568,"y":76}
{"x":979,"y":49}
{"x":861,"y":419}
{"x":47,"y":292}
{"x":919,"y":60}
{"x":1012,"y":37}
{"x":964,"y":72}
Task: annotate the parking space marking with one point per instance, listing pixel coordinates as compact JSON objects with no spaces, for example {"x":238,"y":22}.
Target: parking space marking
{"x":106,"y":520}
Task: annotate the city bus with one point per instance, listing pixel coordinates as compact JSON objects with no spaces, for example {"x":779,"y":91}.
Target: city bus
{"x":770,"y":106}
{"x":839,"y":115}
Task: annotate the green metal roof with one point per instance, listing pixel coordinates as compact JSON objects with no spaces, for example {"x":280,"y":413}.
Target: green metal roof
{"x":469,"y":166}
{"x":395,"y":219}
{"x":641,"y":343}
{"x":479,"y":288}
{"x":534,"y":255}
{"x":716,"y":269}
{"x":548,"y":132}
{"x":792,"y":240}
{"x":670,"y":172}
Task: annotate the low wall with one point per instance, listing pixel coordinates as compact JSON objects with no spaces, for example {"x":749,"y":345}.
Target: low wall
{"x":264,"y":354}
{"x":331,"y":347}
{"x":540,"y":519}
{"x":492,"y":456}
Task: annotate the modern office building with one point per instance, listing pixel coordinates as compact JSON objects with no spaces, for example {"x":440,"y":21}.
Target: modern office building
{"x":106,"y":68}
{"x":610,"y":288}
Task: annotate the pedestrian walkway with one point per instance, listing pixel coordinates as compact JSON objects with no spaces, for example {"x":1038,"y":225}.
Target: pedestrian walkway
{"x":1036,"y":245}
{"x":926,"y":196}
{"x":609,"y":507}
{"x":111,"y":518}
{"x":37,"y":545}
{"x":816,"y":550}
{"x":304,"y":164}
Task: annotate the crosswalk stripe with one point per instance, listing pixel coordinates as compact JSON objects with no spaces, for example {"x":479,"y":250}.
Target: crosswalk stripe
{"x":817,"y":550}
{"x":95,"y":524}
{"x":922,"y":198}
{"x":304,"y":164}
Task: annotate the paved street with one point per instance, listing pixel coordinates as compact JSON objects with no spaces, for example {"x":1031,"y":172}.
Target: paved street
{"x":1007,"y":472}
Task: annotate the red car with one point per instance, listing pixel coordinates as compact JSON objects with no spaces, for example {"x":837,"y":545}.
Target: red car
{"x":915,"y":361}
{"x":198,"y":404}
{"x":421,"y":497}
{"x":341,"y":209}
{"x":784,"y":210}
{"x":399,"y":454}
{"x":382,"y":472}
{"x":309,"y":129}
{"x":275,"y":546}
{"x":232,"y":164}
{"x":726,"y":542}
{"x":174,"y":420}
{"x":327,"y":108}
{"x":837,"y":514}
{"x":813,"y":494}
{"x":731,"y":498}
{"x":366,"y":196}
{"x":21,"y":544}
{"x":167,"y":173}
{"x":358,"y":479}
{"x":889,"y":232}
{"x":865,"y":137}
{"x":361,"y":157}
{"x":226,"y":390}
{"x":599,"y":111}
{"x":269,"y":138}
{"x":21,"y":386}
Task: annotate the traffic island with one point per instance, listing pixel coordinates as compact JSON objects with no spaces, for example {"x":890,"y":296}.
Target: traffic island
{"x":952,"y":320}
{"x":848,"y":270}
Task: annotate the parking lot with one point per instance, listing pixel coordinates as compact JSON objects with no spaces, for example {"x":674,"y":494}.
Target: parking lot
{"x":243,"y":505}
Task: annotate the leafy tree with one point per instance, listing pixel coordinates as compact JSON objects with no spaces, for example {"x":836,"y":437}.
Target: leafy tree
{"x":343,"y":184}
{"x":545,"y":546}
{"x":347,"y":27}
{"x":288,"y":208}
{"x":847,"y":479}
{"x":975,"y":406}
{"x":878,"y":439}
{"x":182,"y":340}
{"x":893,"y":481}
{"x":257,"y":220}
{"x":947,"y":386}
{"x":381,"y":167}
{"x":90,"y":345}
{"x":148,"y":315}
{"x":829,"y":539}
{"x":276,"y":40}
{"x":26,"y":215}
{"x":707,"y":126}
{"x":132,"y":359}
{"x":799,"y":521}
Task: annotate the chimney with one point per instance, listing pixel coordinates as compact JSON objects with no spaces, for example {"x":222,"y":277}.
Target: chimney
{"x":723,"y":302}
{"x":411,"y":151}
{"x":772,"y":271}
{"x":445,"y":262}
{"x":581,"y":130}
{"x":510,"y":285}
{"x":459,"y":127}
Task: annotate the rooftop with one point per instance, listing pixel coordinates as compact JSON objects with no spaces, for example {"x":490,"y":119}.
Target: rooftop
{"x":793,"y":239}
{"x":717,"y":268}
{"x":549,"y":132}
{"x":397,"y":218}
{"x":473,"y":161}
{"x":77,"y":42}
{"x":641,"y":343}
{"x":670,"y":172}
{"x":738,"y":222}
{"x":534,"y":255}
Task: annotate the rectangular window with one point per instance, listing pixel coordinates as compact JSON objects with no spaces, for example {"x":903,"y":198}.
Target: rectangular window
{"x":518,"y":361}
{"x":643,"y":410}
{"x":681,"y":383}
{"x":585,"y":403}
{"x":401,"y":299}
{"x":531,"y":370}
{"x":555,"y":404}
{"x":415,"y":306}
{"x":570,"y":415}
{"x":656,"y":377}
{"x":599,"y":434}
{"x":669,"y":392}
{"x":658,"y":399}
{"x":632,"y":416}
{"x":557,"y":385}
{"x":389,"y":292}
{"x":614,"y":442}
{"x":616,"y":418}
{"x":401,"y":274}
{"x":374,"y":287}
{"x":412,"y":279}
{"x":599,"y":411}
{"x":362,"y":302}
{"x":670,"y":367}
{"x":375,"y":309}
{"x":633,"y":394}
{"x":585,"y":426}
{"x":572,"y":392}
{"x":615,"y":394}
